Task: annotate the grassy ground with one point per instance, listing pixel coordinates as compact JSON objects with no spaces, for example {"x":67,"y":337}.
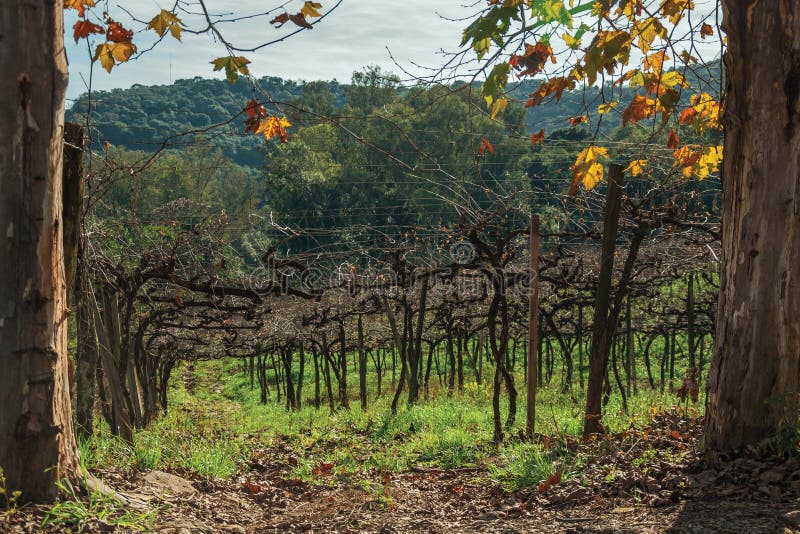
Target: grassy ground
{"x":216,"y":431}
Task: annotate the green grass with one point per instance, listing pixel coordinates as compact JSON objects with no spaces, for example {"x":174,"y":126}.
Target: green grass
{"x":217,"y":430}
{"x":73,"y":512}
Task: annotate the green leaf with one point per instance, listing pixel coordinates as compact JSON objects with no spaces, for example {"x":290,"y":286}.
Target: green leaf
{"x":233,"y":66}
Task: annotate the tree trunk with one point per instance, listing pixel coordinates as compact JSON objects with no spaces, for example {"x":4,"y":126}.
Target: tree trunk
{"x":598,"y":355}
{"x":755,"y":371}
{"x":37,"y":440}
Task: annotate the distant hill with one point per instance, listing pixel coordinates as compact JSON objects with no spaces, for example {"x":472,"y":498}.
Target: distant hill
{"x":141,"y":117}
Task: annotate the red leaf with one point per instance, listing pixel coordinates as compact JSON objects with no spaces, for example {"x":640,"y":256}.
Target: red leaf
{"x":300,"y":20}
{"x":83,"y":28}
{"x":280,"y":20}
{"x":673,"y":142}
{"x":323,"y":469}
{"x":297,"y":18}
{"x":485,"y":145}
{"x":551,"y":481}
{"x":538,"y":138}
{"x":574,"y":121}
{"x":116,"y":33}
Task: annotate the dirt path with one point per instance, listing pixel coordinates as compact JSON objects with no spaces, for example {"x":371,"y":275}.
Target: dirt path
{"x":444,"y":501}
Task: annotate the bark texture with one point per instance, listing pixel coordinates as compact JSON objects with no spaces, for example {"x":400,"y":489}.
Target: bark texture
{"x":37,"y":442}
{"x":753,"y":381}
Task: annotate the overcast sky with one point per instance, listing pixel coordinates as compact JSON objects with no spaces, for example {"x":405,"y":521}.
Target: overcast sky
{"x":356,"y":34}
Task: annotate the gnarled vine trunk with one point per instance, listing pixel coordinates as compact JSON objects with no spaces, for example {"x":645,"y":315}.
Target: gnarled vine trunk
{"x":37,"y":442}
{"x":755,"y":372}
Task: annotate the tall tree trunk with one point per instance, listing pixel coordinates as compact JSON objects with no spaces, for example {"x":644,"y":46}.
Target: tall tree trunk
{"x":37,"y":440}
{"x":755,"y":372}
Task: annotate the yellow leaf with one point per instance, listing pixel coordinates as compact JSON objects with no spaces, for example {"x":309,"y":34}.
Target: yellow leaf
{"x":498,"y":107}
{"x":646,"y":31}
{"x":570,"y":41}
{"x":164,"y":21}
{"x":123,"y":51}
{"x":103,"y":53}
{"x":233,"y":66}
{"x":587,"y":169}
{"x":309,"y":9}
{"x":602,"y":109}
{"x":674,"y":9}
{"x":636,"y":167}
{"x":274,"y":127}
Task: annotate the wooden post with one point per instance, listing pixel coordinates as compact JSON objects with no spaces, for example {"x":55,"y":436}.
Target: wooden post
{"x":533,"y":330}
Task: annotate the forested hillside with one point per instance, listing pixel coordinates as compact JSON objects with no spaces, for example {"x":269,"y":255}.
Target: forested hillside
{"x":144,"y":117}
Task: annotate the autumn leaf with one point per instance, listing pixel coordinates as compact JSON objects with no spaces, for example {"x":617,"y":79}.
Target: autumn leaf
{"x":698,"y":161}
{"x":233,"y":66}
{"x":79,"y":5}
{"x":309,"y":9}
{"x":538,"y":138}
{"x":636,"y":167}
{"x":484,"y":146}
{"x":706,"y":31}
{"x":702,"y":114}
{"x":673,"y":141}
{"x":572,"y":42}
{"x":272,"y":126}
{"x":534,"y":59}
{"x":298,"y":18}
{"x":254,"y":109}
{"x":587,"y":169}
{"x":83,"y":28}
{"x":608,"y":49}
{"x":646,"y":31}
{"x":498,"y":107}
{"x":574,"y":121}
{"x":252,"y":487}
{"x":640,"y":108}
{"x":602,"y":109}
{"x":166,"y":21}
{"x":555,"y":86}
{"x":674,"y":9}
{"x":323,"y":469}
{"x":551,"y":481}
{"x":116,"y":33}
{"x":103,"y":53}
{"x":123,"y":51}
{"x":655,"y":62}
{"x":109,"y":54}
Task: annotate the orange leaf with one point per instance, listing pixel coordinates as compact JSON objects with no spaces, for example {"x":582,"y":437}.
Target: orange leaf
{"x":83,"y":28}
{"x":687,"y":115}
{"x":554,"y":86}
{"x":538,"y":138}
{"x":551,"y":481}
{"x":640,"y":108}
{"x":673,"y":142}
{"x":706,"y":31}
{"x":251,"y":487}
{"x":79,"y":5}
{"x":485,"y":145}
{"x":574,"y":121}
